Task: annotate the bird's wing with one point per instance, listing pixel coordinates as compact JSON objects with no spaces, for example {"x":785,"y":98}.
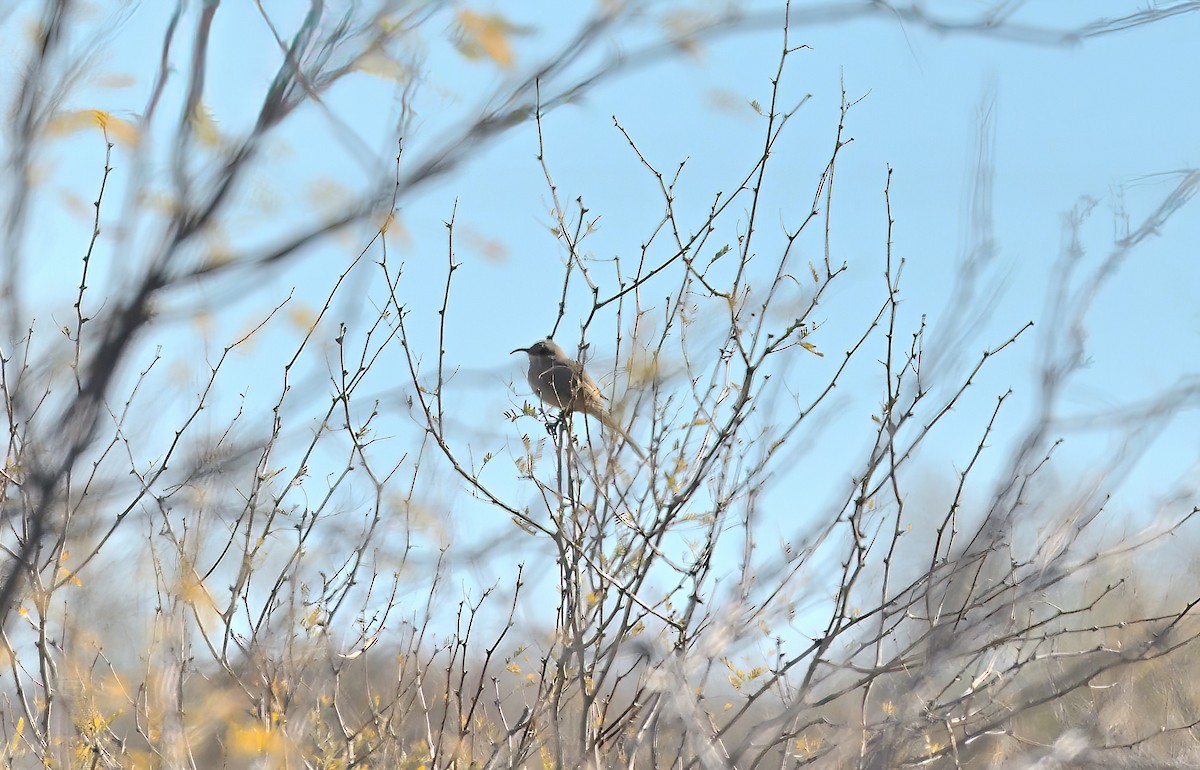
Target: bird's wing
{"x":562,"y":382}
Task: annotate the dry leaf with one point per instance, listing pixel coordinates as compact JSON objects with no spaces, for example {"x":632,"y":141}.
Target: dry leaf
{"x":485,"y":35}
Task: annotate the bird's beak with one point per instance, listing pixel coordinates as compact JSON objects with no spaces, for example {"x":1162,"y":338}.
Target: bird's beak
{"x":520,"y":350}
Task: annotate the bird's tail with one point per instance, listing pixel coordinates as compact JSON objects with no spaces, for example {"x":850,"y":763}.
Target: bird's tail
{"x":611,"y":423}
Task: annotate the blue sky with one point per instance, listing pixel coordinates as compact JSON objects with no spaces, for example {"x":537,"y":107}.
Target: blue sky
{"x":1110,"y":119}
{"x":1096,"y":120}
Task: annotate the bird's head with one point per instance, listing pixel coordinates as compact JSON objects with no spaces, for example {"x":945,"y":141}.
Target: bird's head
{"x":546,"y":348}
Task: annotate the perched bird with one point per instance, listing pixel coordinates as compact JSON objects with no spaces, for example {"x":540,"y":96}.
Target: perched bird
{"x":561,"y":382}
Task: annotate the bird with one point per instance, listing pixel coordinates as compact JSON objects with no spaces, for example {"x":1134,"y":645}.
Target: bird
{"x":560,"y":381}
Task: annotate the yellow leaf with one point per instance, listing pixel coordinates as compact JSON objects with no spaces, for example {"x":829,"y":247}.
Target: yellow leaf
{"x":383,"y":66}
{"x":485,"y":35}
{"x":65,"y":123}
{"x":807,"y":745}
{"x":12,"y":745}
{"x":123,"y":132}
{"x":302,"y":317}
{"x":114,"y":128}
{"x":254,"y":740}
{"x":492,"y":249}
{"x":395,"y":232}
{"x":811,"y":348}
{"x":204,"y":126}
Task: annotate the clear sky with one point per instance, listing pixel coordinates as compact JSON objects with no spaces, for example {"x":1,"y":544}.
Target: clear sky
{"x":1111,"y":120}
